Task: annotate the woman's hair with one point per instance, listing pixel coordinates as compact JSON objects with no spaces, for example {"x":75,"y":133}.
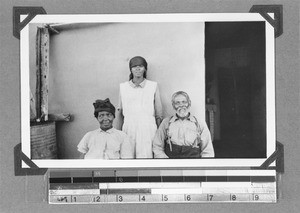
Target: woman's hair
{"x":181,"y":93}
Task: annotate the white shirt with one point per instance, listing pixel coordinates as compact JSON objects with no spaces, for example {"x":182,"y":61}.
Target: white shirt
{"x":110,"y":144}
{"x":183,"y":133}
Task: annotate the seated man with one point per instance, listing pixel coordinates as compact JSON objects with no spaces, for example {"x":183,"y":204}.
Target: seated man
{"x":182,"y":135}
{"x":105,"y":142}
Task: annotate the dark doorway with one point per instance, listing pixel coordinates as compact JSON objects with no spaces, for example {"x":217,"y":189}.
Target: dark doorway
{"x":236,"y":87}
{"x":235,"y":101}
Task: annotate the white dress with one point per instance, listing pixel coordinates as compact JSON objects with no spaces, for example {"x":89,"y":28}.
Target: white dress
{"x":139,"y":119}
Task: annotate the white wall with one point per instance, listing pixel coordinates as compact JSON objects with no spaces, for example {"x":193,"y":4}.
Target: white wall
{"x":89,"y":63}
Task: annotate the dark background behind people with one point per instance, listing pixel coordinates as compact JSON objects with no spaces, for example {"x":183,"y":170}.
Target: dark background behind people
{"x":236,"y":86}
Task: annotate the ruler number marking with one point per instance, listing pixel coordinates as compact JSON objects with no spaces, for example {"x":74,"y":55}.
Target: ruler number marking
{"x":96,"y":199}
{"x":120,"y":198}
{"x":165,"y":198}
{"x":233,"y":197}
{"x":188,"y":198}
{"x":143,"y":198}
{"x":210,"y":197}
{"x":256,"y":197}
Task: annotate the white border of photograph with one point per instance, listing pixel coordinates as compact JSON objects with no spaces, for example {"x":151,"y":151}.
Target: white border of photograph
{"x":150,"y":163}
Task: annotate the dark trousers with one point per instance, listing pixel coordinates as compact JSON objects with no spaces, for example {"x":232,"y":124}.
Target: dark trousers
{"x":182,"y":151}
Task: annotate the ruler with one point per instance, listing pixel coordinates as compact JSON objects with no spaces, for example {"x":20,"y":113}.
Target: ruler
{"x":195,"y":186}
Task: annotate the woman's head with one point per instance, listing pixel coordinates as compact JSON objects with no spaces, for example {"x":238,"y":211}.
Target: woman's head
{"x":138,"y":66}
{"x":103,"y":105}
{"x":104,"y":113}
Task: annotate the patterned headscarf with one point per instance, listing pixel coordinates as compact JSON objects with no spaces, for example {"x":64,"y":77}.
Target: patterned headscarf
{"x":104,"y":105}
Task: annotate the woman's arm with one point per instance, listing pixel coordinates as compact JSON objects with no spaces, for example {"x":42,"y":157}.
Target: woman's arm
{"x":119,"y":114}
{"x":158,"y":107}
{"x":81,"y":156}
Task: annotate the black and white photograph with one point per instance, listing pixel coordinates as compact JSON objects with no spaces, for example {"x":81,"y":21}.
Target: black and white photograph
{"x":152,"y":106}
{"x":163,"y":90}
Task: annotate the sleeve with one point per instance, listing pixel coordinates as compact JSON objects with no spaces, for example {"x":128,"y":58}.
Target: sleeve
{"x":120,"y":100}
{"x":159,"y":140}
{"x":119,"y":113}
{"x":83,"y":144}
{"x":127,"y":151}
{"x":207,"y":150}
{"x":157,"y":104}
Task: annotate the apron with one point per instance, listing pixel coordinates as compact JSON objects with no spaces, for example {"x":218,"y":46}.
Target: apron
{"x":139,"y":121}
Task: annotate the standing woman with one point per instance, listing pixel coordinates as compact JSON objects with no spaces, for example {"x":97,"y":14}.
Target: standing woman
{"x":140,"y":107}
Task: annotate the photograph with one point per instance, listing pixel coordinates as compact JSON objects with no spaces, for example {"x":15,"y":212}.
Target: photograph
{"x":124,"y":105}
{"x":148,"y":90}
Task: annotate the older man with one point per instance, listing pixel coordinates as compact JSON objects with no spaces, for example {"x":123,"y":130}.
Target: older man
{"x":105,"y":142}
{"x":182,"y":135}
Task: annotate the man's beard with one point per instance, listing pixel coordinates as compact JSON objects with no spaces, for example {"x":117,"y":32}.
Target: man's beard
{"x":182,"y":111}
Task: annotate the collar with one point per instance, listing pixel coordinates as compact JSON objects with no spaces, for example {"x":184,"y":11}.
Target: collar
{"x":111,"y":130}
{"x":141,"y":85}
{"x":189,"y":117}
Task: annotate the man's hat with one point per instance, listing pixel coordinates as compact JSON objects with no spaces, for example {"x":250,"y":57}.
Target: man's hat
{"x":104,"y":105}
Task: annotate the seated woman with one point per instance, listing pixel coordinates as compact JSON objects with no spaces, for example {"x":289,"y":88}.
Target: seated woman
{"x":105,"y":142}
